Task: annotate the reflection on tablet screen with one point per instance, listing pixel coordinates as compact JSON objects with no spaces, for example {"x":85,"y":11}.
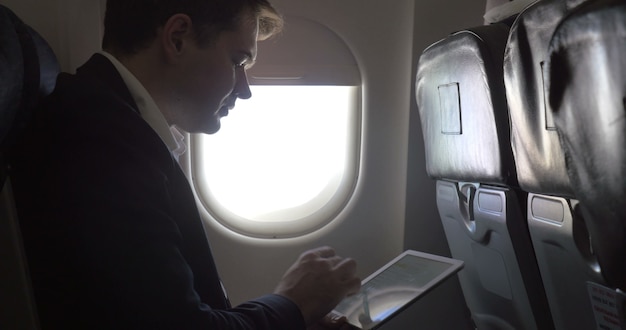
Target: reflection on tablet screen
{"x":390,"y":290}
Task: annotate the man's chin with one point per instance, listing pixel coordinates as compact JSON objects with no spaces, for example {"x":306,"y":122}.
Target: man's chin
{"x":213,"y":130}
{"x":213,"y":127}
{"x":208,"y":127}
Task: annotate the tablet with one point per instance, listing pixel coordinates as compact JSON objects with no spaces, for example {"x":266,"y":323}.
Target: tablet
{"x":394,"y":287}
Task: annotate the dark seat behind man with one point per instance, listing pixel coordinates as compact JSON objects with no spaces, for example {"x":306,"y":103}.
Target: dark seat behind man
{"x":28,"y":70}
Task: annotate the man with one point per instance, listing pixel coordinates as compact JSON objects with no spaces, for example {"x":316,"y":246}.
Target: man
{"x":111,"y":230}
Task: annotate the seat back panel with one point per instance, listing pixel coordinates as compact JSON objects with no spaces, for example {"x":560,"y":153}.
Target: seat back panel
{"x":491,"y":279}
{"x":462,"y":107}
{"x":565,"y":259}
{"x":587,"y":95}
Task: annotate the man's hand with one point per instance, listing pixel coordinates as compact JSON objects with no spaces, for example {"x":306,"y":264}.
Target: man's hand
{"x":318,"y":281}
{"x":332,"y":322}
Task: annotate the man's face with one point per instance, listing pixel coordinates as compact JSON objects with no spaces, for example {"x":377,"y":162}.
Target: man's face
{"x":213,"y":77}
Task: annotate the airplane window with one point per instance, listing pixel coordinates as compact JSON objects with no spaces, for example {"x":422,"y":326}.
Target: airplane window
{"x":284,"y":162}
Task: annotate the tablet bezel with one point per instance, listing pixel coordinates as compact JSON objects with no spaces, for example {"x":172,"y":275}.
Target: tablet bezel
{"x":454,"y":266}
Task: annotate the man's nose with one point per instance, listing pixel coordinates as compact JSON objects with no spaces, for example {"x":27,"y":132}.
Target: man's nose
{"x":242,"y":88}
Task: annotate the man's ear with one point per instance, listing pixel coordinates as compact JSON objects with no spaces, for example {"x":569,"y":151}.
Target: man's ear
{"x":176,"y":33}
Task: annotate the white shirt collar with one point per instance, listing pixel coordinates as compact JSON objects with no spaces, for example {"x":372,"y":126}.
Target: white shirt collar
{"x":180,"y":142}
{"x":148,"y":109}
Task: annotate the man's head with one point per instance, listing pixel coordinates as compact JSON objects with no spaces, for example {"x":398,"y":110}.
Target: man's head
{"x":191,"y":55}
{"x":131,"y":25}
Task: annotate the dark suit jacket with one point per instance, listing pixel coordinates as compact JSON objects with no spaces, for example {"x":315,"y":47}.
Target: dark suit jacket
{"x":111,"y":230}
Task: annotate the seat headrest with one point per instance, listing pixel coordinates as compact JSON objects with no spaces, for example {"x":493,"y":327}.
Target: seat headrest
{"x":535,"y":142}
{"x":11,"y":71}
{"x":28,"y":71}
{"x":462,"y":106}
{"x":587,"y":93}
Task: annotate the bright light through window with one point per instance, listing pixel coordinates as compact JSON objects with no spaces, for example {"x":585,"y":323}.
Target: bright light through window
{"x":283,"y":155}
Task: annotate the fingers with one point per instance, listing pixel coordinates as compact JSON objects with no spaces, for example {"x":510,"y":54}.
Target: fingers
{"x":333,"y":321}
{"x":330,"y":255}
{"x":347,"y":269}
{"x":346,"y":273}
{"x":318,"y":281}
{"x":346,"y":266}
{"x":323,"y":252}
{"x":352,"y":286}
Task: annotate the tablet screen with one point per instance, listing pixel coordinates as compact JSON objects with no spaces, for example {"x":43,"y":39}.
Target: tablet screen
{"x":394,"y":286}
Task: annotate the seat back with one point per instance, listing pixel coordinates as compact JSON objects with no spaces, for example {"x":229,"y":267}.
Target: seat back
{"x":558,"y":231}
{"x":28,"y":70}
{"x":464,"y":115}
{"x":587,"y":94}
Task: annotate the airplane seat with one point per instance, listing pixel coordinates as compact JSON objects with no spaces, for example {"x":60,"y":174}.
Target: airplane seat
{"x":28,"y":70}
{"x":587,"y":95}
{"x":463,"y":110}
{"x":557,"y":228}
